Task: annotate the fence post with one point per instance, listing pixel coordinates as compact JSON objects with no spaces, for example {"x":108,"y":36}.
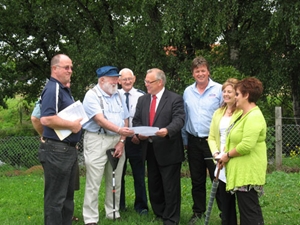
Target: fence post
{"x":278,"y":136}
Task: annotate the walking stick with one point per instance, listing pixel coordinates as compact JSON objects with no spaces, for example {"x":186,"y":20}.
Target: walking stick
{"x":114,"y":163}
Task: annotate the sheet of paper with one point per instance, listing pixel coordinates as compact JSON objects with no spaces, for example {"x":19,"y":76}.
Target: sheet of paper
{"x":71,"y":113}
{"x":145,"y":130}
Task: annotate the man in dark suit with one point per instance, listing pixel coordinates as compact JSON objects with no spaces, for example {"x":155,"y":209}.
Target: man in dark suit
{"x":164,"y":152}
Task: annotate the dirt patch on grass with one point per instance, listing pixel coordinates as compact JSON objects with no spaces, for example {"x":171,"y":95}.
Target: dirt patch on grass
{"x":38,"y":169}
{"x":35,"y":169}
{"x":13,"y":173}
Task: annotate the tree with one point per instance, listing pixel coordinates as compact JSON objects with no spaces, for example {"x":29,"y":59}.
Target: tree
{"x":238,"y":37}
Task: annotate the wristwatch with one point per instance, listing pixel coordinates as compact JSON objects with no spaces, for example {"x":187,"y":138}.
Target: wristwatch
{"x":229,"y":157}
{"x":123,"y":141}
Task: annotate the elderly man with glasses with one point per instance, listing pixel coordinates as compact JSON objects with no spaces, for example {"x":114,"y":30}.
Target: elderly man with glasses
{"x":133,"y":146}
{"x":164,"y":152}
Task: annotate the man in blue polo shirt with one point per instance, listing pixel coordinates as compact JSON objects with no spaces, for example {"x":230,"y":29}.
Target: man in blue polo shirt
{"x":201,"y":99}
{"x":57,"y":157}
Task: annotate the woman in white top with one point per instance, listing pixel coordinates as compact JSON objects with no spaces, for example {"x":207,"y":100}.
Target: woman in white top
{"x":222,"y":120}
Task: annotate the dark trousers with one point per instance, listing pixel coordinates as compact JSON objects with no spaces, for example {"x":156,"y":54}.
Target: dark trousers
{"x":59,"y":164}
{"x":228,"y":205}
{"x":134,"y":156}
{"x":77,"y":177}
{"x":164,"y":189}
{"x":197,"y":151}
{"x":250,"y":210}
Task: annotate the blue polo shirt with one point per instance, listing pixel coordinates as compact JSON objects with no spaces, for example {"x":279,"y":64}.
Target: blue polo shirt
{"x":199,"y":109}
{"x":48,"y":102}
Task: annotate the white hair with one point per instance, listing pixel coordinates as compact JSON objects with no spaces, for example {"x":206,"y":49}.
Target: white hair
{"x":126,"y":69}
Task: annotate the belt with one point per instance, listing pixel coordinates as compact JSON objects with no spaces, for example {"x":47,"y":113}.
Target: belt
{"x":50,"y":140}
{"x":199,"y":138}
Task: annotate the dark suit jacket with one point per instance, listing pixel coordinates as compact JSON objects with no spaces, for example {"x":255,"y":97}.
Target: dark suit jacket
{"x":169,"y":114}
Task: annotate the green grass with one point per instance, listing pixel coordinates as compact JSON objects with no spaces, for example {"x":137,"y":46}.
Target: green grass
{"x":21,"y":201}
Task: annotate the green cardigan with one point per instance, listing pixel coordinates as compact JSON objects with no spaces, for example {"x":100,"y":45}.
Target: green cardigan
{"x":214,"y":141}
{"x":248,"y":138}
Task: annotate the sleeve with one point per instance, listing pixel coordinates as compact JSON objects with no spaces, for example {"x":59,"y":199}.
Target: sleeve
{"x":252,"y":127}
{"x":137,"y":119}
{"x":37,"y":110}
{"x":183,"y":130}
{"x":91,"y":104}
{"x":212,"y":142}
{"x":48,"y":101}
{"x":178,"y":116}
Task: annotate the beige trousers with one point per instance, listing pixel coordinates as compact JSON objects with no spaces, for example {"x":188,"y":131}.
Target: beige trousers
{"x":97,"y":164}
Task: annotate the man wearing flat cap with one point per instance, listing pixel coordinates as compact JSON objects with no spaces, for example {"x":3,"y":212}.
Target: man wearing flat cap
{"x":107,"y":128}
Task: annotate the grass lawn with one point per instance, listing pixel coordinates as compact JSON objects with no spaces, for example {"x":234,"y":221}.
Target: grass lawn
{"x":21,"y":201}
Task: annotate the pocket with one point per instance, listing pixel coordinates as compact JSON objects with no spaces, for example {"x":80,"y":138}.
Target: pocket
{"x":59,"y":148}
{"x":42,"y":152}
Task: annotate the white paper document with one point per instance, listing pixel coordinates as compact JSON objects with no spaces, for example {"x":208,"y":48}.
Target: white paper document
{"x":71,"y":113}
{"x":145,"y":130}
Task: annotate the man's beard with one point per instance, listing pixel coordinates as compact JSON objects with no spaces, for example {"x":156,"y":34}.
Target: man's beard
{"x":110,"y":88}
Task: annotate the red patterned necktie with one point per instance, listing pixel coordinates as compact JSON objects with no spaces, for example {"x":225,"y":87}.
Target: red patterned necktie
{"x":152,"y":110}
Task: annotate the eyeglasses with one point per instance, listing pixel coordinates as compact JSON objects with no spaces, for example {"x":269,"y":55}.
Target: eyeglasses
{"x":127,"y":79}
{"x":149,"y":82}
{"x":66,"y":67}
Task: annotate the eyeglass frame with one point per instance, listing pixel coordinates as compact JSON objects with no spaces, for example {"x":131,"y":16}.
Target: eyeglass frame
{"x":150,"y":82}
{"x":66,"y":67}
{"x":127,"y":79}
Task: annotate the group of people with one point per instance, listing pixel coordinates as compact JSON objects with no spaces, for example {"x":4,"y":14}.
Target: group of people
{"x":210,"y":121}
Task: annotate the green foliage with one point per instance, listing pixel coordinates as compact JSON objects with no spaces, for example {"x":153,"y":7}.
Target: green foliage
{"x":239,"y":38}
{"x":222,"y":73}
{"x":270,"y":142}
{"x":15,"y":119}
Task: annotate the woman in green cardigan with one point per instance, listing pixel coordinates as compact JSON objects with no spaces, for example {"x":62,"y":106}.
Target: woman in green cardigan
{"x":221,"y":120}
{"x":246,"y":154}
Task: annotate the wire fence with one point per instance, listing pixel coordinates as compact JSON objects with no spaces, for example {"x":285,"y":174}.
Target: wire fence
{"x":22,"y":152}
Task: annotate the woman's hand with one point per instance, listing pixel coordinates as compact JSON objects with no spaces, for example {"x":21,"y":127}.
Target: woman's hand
{"x":223,"y":160}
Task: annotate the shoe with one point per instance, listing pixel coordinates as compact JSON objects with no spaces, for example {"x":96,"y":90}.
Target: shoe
{"x":195,"y":217}
{"x":123,"y":209}
{"x":157,"y":219}
{"x":74,"y":218}
{"x":91,"y":224}
{"x":143,"y":212}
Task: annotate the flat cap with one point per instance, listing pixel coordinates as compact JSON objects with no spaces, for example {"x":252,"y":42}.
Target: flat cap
{"x":110,"y":71}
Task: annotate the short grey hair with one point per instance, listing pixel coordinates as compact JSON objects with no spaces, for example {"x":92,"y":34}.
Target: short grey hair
{"x":159,"y":74}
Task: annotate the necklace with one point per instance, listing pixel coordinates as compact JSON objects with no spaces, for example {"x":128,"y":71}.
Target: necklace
{"x":228,"y":112}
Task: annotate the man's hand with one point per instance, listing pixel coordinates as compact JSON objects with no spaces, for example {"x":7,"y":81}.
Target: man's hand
{"x":142,"y":137}
{"x":135,"y":140}
{"x":162,"y":132}
{"x":119,"y":148}
{"x":76,"y":126}
{"x":125,"y":131}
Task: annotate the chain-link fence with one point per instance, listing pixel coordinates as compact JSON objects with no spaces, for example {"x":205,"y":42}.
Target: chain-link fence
{"x":22,"y":152}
